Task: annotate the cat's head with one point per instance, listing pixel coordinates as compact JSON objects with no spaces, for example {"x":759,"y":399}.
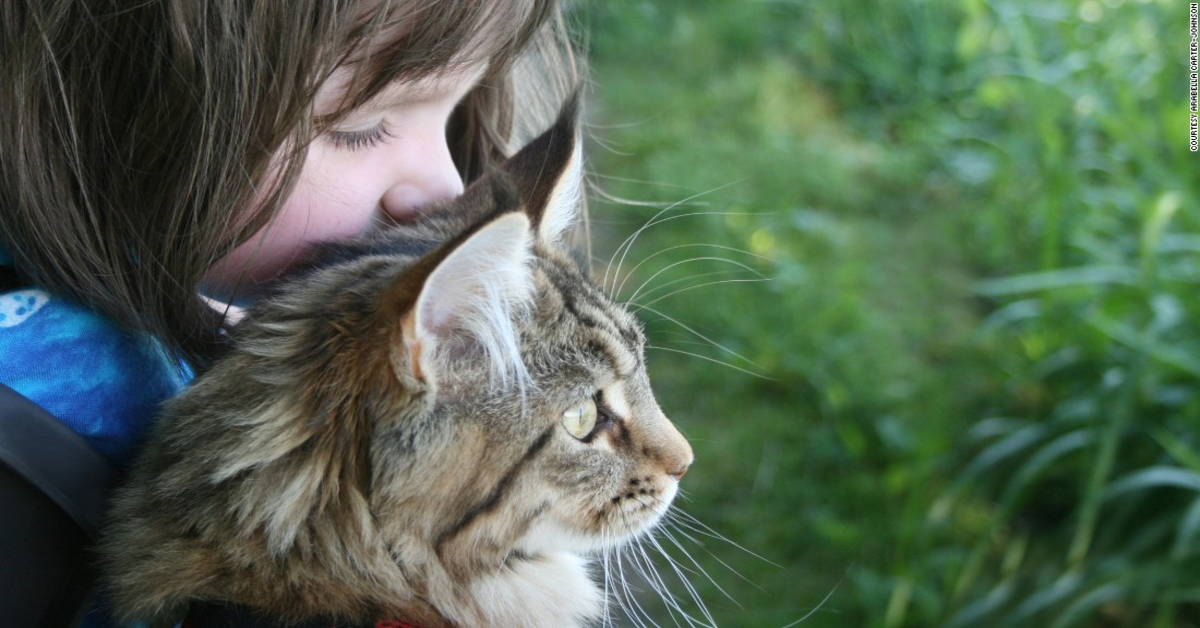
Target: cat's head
{"x":546,"y":434}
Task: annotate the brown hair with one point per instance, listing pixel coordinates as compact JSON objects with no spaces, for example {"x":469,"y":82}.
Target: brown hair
{"x":136,"y":138}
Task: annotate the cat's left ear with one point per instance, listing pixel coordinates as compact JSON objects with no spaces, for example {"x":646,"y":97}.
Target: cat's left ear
{"x":470,"y":291}
{"x":548,"y":173}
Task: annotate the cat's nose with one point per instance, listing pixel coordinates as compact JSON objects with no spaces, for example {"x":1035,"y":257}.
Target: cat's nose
{"x":681,"y":471}
{"x":676,"y":454}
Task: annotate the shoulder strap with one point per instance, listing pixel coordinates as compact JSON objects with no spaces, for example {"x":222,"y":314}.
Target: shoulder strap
{"x":56,"y":460}
{"x":9,"y":280}
{"x":209,"y":614}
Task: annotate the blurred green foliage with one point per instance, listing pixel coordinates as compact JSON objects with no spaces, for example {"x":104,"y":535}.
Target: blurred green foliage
{"x":924,"y":293}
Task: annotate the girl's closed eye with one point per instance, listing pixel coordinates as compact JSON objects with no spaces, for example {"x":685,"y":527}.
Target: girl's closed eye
{"x":360,"y":139}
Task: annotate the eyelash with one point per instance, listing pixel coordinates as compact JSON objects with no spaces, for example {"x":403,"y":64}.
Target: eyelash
{"x":360,"y":140}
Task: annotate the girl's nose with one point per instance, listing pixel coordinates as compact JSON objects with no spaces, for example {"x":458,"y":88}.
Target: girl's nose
{"x":430,"y":177}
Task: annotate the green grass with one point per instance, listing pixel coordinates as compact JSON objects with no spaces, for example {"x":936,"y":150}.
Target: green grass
{"x":953,"y":377}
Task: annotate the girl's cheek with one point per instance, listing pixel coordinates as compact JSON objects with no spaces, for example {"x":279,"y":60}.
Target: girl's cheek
{"x":316,"y":211}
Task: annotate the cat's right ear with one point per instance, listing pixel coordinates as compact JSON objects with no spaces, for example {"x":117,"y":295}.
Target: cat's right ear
{"x":473,"y":288}
{"x":548,"y":173}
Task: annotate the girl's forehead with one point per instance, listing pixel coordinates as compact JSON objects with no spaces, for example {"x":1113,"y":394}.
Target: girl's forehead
{"x":453,"y":80}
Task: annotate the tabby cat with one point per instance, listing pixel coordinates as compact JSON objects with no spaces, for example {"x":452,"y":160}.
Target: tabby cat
{"x":434,"y":425}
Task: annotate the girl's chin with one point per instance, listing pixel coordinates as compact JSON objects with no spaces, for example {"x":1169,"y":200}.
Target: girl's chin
{"x":240,"y":279}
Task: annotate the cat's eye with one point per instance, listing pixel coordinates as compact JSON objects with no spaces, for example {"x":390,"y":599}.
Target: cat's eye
{"x":581,"y":420}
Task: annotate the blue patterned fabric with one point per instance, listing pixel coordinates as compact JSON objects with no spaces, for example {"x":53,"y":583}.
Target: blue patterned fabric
{"x":99,"y":380}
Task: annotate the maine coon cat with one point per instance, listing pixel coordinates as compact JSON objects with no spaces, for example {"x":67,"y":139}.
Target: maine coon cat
{"x":434,"y":425}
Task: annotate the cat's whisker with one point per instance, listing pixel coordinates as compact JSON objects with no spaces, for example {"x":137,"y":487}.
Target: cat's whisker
{"x":820,"y":605}
{"x":606,"y":146}
{"x":635,"y":611}
{"x":629,"y":241}
{"x":678,"y":520}
{"x":638,"y":306}
{"x":650,"y":575}
{"x":666,"y":284}
{"x":623,"y":596}
{"x":687,"y":584}
{"x":667,"y":532}
{"x":703,"y":571}
{"x":632,"y":271}
{"x":669,"y":598}
{"x":699,"y":543}
{"x":607,"y":580}
{"x":703,"y":337}
{"x":668,"y":267}
{"x":691,"y":343}
{"x":620,"y":200}
{"x":620,"y":587}
{"x":636,"y":608}
{"x":676,"y":565}
{"x":672,"y":336}
{"x":646,"y":568}
{"x":676,"y":606}
{"x":610,"y":587}
{"x":660,"y":184}
{"x":655,"y":221}
{"x":694,"y":524}
{"x":714,"y":360}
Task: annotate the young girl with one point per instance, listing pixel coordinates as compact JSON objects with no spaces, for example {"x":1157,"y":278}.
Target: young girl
{"x":162,"y":159}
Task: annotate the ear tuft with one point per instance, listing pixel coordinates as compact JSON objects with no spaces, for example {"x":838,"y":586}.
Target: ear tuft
{"x":473,"y":296}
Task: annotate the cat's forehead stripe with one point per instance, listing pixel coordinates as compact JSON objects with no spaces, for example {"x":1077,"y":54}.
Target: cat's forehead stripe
{"x":591,"y":308}
{"x":615,"y":335}
{"x":624,"y":363}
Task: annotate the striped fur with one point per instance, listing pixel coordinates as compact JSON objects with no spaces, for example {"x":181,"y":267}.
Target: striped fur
{"x":385,"y":438}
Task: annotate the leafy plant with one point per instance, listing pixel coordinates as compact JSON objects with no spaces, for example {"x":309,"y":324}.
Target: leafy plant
{"x":966,"y":392}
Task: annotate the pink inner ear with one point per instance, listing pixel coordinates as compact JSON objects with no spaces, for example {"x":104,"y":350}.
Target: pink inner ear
{"x":473,"y":293}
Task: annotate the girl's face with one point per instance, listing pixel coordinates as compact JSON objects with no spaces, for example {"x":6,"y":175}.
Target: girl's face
{"x":383,"y":163}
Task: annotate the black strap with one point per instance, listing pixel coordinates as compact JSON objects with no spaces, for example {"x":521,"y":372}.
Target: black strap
{"x":9,"y":279}
{"x":221,"y":615}
{"x":52,"y":457}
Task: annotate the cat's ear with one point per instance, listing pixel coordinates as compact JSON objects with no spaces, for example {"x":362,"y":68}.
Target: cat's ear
{"x":548,"y":173}
{"x":475,"y":288}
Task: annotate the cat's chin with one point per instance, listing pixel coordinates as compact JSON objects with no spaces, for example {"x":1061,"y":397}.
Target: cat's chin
{"x":556,"y":584}
{"x":547,"y":537}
